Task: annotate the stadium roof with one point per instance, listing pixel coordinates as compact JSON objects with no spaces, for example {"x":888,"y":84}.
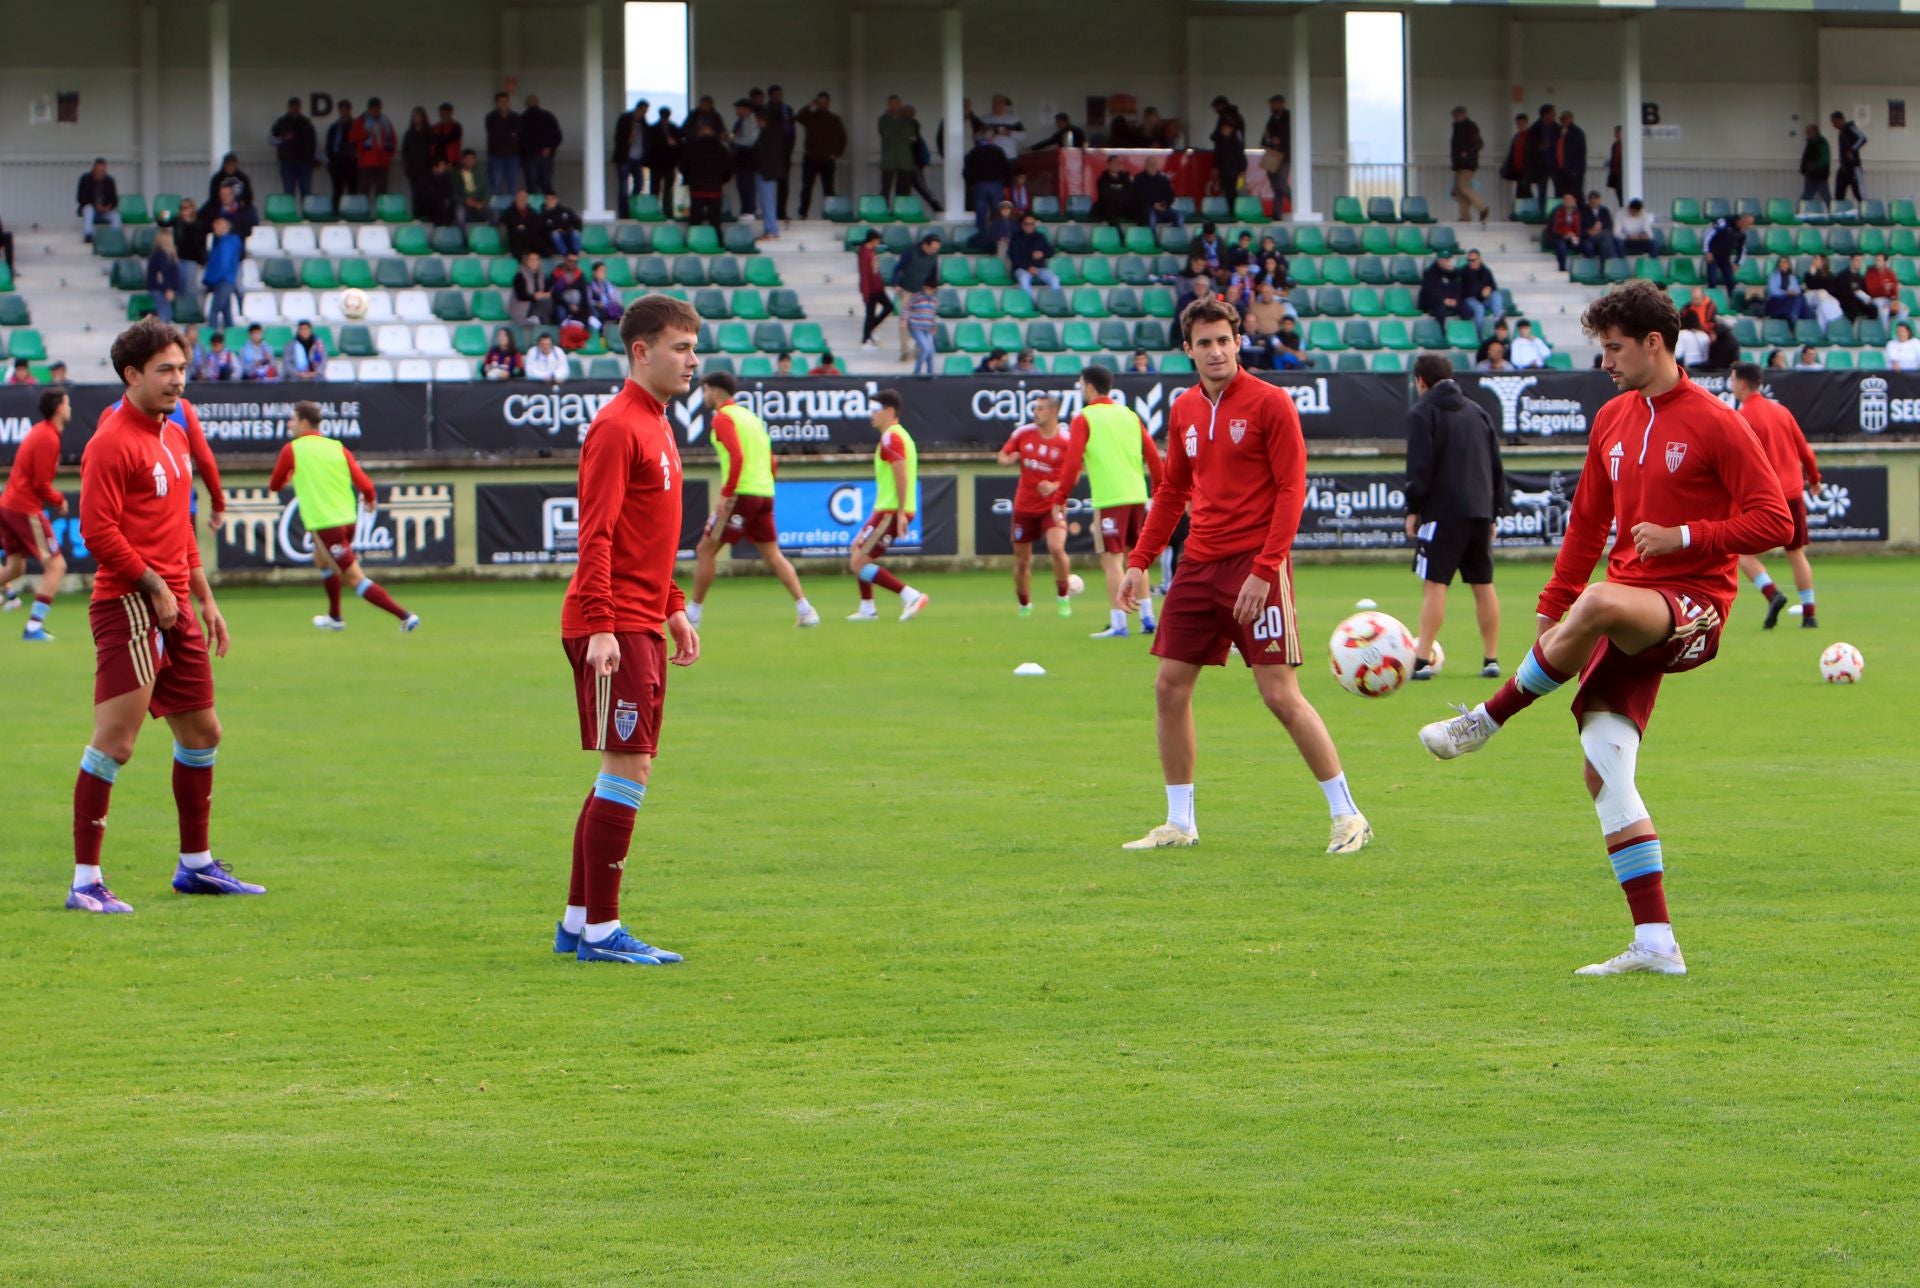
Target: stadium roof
{"x":1771,"y":6}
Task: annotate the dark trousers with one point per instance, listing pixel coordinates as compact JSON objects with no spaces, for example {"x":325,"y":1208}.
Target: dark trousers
{"x":895,"y":183}
{"x":1573,"y":181}
{"x":632,"y":182}
{"x":879,"y":308}
{"x":296,"y":178}
{"x":345,"y":175}
{"x":1816,"y":189}
{"x":743,"y":179}
{"x":786,"y":176}
{"x":986,"y":202}
{"x":6,"y":244}
{"x":1849,"y":177}
{"x":1720,"y":272}
{"x":539,"y":172}
{"x":373,"y":180}
{"x":809,"y":171}
{"x":663,"y":187}
{"x":926,"y":194}
{"x":706,"y":208}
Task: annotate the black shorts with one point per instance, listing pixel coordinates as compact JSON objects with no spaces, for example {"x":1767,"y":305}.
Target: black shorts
{"x":1465,"y":546}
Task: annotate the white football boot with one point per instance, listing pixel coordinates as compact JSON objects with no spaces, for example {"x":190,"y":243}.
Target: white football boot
{"x":1639,"y":957}
{"x":1468,"y":731}
{"x":1351,"y":834}
{"x":1165,"y":836}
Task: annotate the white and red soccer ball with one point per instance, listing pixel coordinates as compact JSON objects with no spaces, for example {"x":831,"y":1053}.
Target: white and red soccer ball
{"x":1842,"y":664}
{"x":1371,"y":654}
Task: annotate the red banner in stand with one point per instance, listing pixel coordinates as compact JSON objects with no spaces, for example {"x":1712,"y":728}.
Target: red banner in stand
{"x":1075,"y":172}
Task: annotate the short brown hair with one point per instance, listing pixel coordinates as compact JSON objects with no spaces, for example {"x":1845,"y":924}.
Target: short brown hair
{"x":308,"y":411}
{"x":1097,"y":378}
{"x":1637,"y":309}
{"x":50,"y":400}
{"x":1210,"y":310}
{"x":723,"y":381}
{"x":649,"y":315}
{"x":1431,"y":368}
{"x":890,"y":398}
{"x":136,"y":346}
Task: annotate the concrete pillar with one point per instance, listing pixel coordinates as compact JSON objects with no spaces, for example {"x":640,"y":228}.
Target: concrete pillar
{"x":952,"y":91}
{"x":1633,"y":170}
{"x":1194,"y":108}
{"x":1300,"y":99}
{"x":219,"y":82}
{"x":593,"y":160}
{"x":859,"y":113}
{"x":149,"y":100}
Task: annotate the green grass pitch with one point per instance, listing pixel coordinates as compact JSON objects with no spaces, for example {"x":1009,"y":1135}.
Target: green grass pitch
{"x":934,"y":1026}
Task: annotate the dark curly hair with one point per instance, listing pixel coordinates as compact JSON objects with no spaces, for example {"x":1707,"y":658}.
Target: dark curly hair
{"x":1637,"y":309}
{"x":136,"y":346}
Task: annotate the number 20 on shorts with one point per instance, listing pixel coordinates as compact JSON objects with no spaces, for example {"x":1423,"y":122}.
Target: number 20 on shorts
{"x":1271,"y":624}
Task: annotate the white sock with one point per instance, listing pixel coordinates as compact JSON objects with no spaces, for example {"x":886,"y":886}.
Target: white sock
{"x":1117,"y":618}
{"x":693,"y":612}
{"x":867,"y":608}
{"x":908,"y":593}
{"x":1180,"y":805}
{"x":1657,"y":935}
{"x":85,"y":874}
{"x":598,"y":930}
{"x":1146,"y":609}
{"x":1480,"y":714}
{"x":204,"y":859}
{"x":801,"y":606}
{"x":1339,"y":799}
{"x":574,"y":919}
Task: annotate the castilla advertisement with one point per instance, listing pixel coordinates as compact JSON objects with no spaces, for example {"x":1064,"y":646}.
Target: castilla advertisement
{"x":539,"y":523}
{"x":410,"y":526}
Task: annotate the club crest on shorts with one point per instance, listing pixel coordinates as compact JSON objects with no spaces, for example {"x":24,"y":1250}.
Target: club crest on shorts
{"x":1237,"y":429}
{"x":1193,"y":440}
{"x":625,"y":717}
{"x":1676,"y":452}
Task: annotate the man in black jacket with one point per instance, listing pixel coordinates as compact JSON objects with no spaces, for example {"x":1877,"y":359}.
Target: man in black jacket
{"x":629,"y":159}
{"x":1113,"y":193}
{"x":295,"y":146}
{"x":706,"y":164}
{"x":826,"y":143}
{"x":987,"y":173}
{"x":1442,"y":294}
{"x":664,"y":143}
{"x":1276,"y":154}
{"x":1464,"y":156}
{"x":1543,"y":151}
{"x":1816,"y":166}
{"x":97,"y":200}
{"x":1851,"y":138}
{"x":525,"y":227}
{"x":1153,"y":197}
{"x":1570,"y":168}
{"x":540,"y":139}
{"x":503,"y":146}
{"x":1065,"y":134}
{"x":1455,"y":485}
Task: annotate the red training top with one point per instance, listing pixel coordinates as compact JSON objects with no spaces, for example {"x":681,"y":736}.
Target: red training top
{"x":629,"y":522}
{"x":1243,"y":462}
{"x":283,"y":473}
{"x":1786,"y":445}
{"x":203,"y":463}
{"x":136,"y":482}
{"x":30,"y":484}
{"x":1041,"y":458}
{"x":1077,"y":431}
{"x":1684,"y":458}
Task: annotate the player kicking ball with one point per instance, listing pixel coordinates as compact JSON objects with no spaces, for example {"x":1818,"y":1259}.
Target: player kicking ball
{"x":619,"y":608}
{"x":24,"y":531}
{"x":1040,"y":449}
{"x":1121,"y":461}
{"x":896,"y":486}
{"x":325,"y":477}
{"x":746,"y":498}
{"x":1799,"y":473}
{"x":1236,"y":452}
{"x":1682,"y":479}
{"x":150,"y":654}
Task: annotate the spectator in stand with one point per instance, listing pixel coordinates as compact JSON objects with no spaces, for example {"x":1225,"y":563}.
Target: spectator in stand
{"x":218,"y":362}
{"x":256,"y":359}
{"x":546,"y":363}
{"x":1004,"y":128}
{"x":1113,"y":193}
{"x":1442,"y":293}
{"x":770,"y":166}
{"x":874,"y":300}
{"x":1513,"y":168}
{"x":921,"y":160}
{"x":1065,"y":134}
{"x":416,"y":160}
{"x":1636,"y":231}
{"x":1723,"y":351}
{"x":706,"y":164}
{"x":1903,"y":351}
{"x":986,"y":172}
{"x":163,"y":275}
{"x":1884,"y":288}
{"x":999,"y":231}
{"x":502,"y":360}
{"x":1229,"y":139}
{"x":230,"y":175}
{"x":1816,"y":166}
{"x":1152,"y":195}
{"x":786,"y":132}
{"x":1209,"y":248}
{"x":820,"y":154}
{"x":1614,"y":170}
{"x":1822,"y":291}
{"x":629,"y":159}
{"x":897,"y":134}
{"x":742,"y":135}
{"x":919,"y":267}
{"x":1479,"y":293}
{"x":98,"y":199}
{"x":1543,"y":152}
{"x":561,"y":223}
{"x":6,"y":246}
{"x":1140,"y":364}
{"x":1777,"y":360}
{"x":1501,"y":336}
{"x":22,"y":373}
{"x":243,"y":218}
{"x":540,"y":139}
{"x":1197,"y":287}
{"x":1288,"y":352}
{"x":996,"y":363}
{"x":532,"y":301}
{"x":783,"y":364}
{"x":1028,"y":251}
{"x":1018,"y":194}
{"x":704,"y":114}
{"x":343,"y":160}
{"x":1028,"y":363}
{"x":1570,"y":157}
{"x":472,"y":203}
{"x":196,"y":350}
{"x":828,"y":365}
{"x":1495,"y":359}
{"x":1690,"y":350}
{"x":923,"y":315}
{"x":374,"y":144}
{"x":1809,"y":359}
{"x":525,"y":228}
{"x":1263,"y":319}
{"x":1156,"y":133}
{"x":1596,"y":230}
{"x":1564,"y":230}
{"x":664,"y":140}
{"x":1700,"y":308}
{"x":1240,"y":255}
{"x":221,"y":277}
{"x":448,"y":135}
{"x":1852,"y":138}
{"x":1850,"y":289}
{"x":295,"y":146}
{"x":503,"y":145}
{"x":1463,"y":152}
{"x":306,"y":355}
{"x":568,"y":286}
{"x":604,"y":305}
{"x":1276,"y":151}
{"x":1529,"y":350}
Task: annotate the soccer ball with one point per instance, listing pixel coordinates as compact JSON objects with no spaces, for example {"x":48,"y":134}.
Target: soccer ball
{"x":353,"y":303}
{"x":1372,"y":654}
{"x":1076,"y":584}
{"x":1439,"y":658}
{"x":1842,"y":664}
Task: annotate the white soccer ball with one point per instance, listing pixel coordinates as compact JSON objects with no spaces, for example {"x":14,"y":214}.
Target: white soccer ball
{"x":353,"y":303}
{"x":1842,"y":664}
{"x":1076,"y":584}
{"x":1439,"y":658}
{"x":1371,"y":654}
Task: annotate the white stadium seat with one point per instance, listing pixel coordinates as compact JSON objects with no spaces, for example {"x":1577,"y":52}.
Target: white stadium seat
{"x":261,"y":307}
{"x":414,"y":370}
{"x":298,"y":306}
{"x":394,"y":340}
{"x":336,"y":240}
{"x":250,"y":275}
{"x":297,"y":239}
{"x":376,"y":371}
{"x":453,"y":369}
{"x":375,"y":240}
{"x":339,"y":370}
{"x":264,"y":241}
{"x":330,"y":307}
{"x":433,"y":340}
{"x":413,"y":306}
{"x":379,"y":308}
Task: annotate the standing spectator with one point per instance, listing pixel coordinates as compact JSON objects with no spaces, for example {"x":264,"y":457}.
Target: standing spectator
{"x":416,"y":160}
{"x":1113,"y":193}
{"x":1726,"y":247}
{"x":873,"y":288}
{"x":306,"y":355}
{"x":921,"y":160}
{"x":295,"y":147}
{"x":1003,"y":127}
{"x":1065,"y":134}
{"x":374,"y":144}
{"x":1565,"y":229}
{"x":545,"y":362}
{"x":1596,"y":230}
{"x":243,"y":218}
{"x":1701,"y":308}
{"x":1615,"y":169}
{"x":343,"y":161}
{"x":1442,"y":293}
{"x":1690,"y":350}
{"x":1463,"y":151}
{"x":1852,"y":138}
{"x":1786,"y":297}
{"x":744,"y":135}
{"x":1636,"y":230}
{"x":1543,"y":153}
{"x":1152,"y":195}
{"x":525,"y":227}
{"x":663,"y":156}
{"x":1529,"y":350}
{"x":6,"y":245}
{"x":163,"y":275}
{"x":561,"y":223}
{"x":1455,"y":484}
{"x":471,"y":200}
{"x":1903,"y":351}
{"x":568,"y":286}
{"x":923,"y":315}
{"x":1229,"y":146}
{"x":448,"y":136}
{"x":1276,"y":155}
{"x":190,"y":244}
{"x":825,"y":144}
{"x":256,"y":359}
{"x":532,"y":301}
{"x":502,"y":360}
{"x":1816,"y":166}
{"x":897,"y":133}
{"x":706,"y":164}
{"x":98,"y":199}
{"x":1479,"y":293}
{"x":221,"y":277}
{"x":704,"y":114}
{"x":441,"y":207}
{"x":218,"y":362}
{"x":1514,"y":167}
{"x":770,"y":166}
{"x":1571,"y":157}
{"x":629,"y":158}
{"x":1028,"y":252}
{"x":503,"y":145}
{"x":230,"y":175}
{"x":540,"y":139}
{"x":604,"y":305}
{"x":993,"y":239}
{"x":919,"y":267}
{"x":986,"y":171}
{"x":780,"y":121}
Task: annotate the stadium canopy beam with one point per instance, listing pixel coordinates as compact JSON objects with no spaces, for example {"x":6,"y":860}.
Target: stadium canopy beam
{"x":594,"y":91}
{"x":952,"y":90}
{"x":1301,"y":101}
{"x":219,"y":82}
{"x":1632,"y":141}
{"x":150,"y":98}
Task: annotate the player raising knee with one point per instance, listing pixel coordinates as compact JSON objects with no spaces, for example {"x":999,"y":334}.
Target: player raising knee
{"x":745,"y":512}
{"x":1686,"y":485}
{"x":1235,"y":450}
{"x":325,"y":476}
{"x":24,"y":531}
{"x":1793,"y":463}
{"x":1120,"y":460}
{"x":1040,"y":449}
{"x":896,"y":480}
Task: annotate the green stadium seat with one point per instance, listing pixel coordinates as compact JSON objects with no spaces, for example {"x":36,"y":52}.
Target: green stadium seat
{"x":430,"y":274}
{"x":1559,"y":362}
{"x":1158,"y":301}
{"x":1176,"y":364}
{"x":1838,"y":359}
{"x":27,"y":344}
{"x":1358,"y":334}
{"x":734,"y":338}
{"x":1870,"y":360}
{"x":1372,"y":270}
{"x":1302,"y":300}
{"x":1132,"y":270}
{"x":1079,"y":337}
{"x":392,"y":274}
{"x":1811,"y":241}
{"x":1047,"y":210}
{"x":619,"y":271}
{"x":670,"y":239}
{"x":1175,"y":241}
{"x":1305,"y":271}
{"x":1072,"y":239}
{"x":1902,"y":211}
{"x":1124,"y":302}
{"x":110,"y":242}
{"x":1215,"y":209}
{"x":451,"y":306}
{"x":784,"y":304}
{"x":712,"y":304}
{"x":738,"y":240}
{"x":763,"y":272}
{"x":1427,"y":334}
{"x":1712,"y":208}
{"x":489,"y":306}
{"x":1873,"y":240}
{"x":1461,"y":334}
{"x":957,"y":364}
{"x":909,"y":210}
{"x":1308,"y":239}
{"x":1809,"y":332}
{"x":1068,"y":364}
{"x":1874,"y":211}
{"x":1053,"y":302}
{"x":1249,"y":209}
{"x":122,"y":275}
{"x":1529,"y":210}
{"x":1375,"y":240}
{"x":971,"y":337}
{"x":703,"y":239}
{"x":1779,"y":241}
{"x":1331,"y":301}
{"x":1686,"y":210}
{"x":957,"y":271}
{"x":411,"y":239}
{"x":1347,"y":210}
{"x":597,"y":239}
{"x":1365,"y":303}
{"x":1342,"y":240}
{"x":807,"y":337}
{"x":318,"y":275}
{"x":1844,"y":212}
{"x":1684,"y":241}
{"x":952,"y":306}
{"x":1652,"y":269}
{"x":391,"y":208}
{"x":756,"y":365}
{"x":1088,"y":302}
{"x":1903,"y":242}
{"x":1387,"y":361}
{"x":140,"y":241}
{"x":1871,"y":332}
{"x":357,"y":273}
{"x":1811,"y":212}
{"x":485,"y":239}
{"x":1416,"y":211}
{"x":1380,"y":210}
{"x":1840,"y":331}
{"x":1776,"y":333}
{"x":1094,"y":270}
{"x":1042,"y":337}
{"x":872,"y":209}
{"x":749,"y":306}
{"x":1395,"y":335}
{"x":645,"y":207}
{"x":1080,"y":209}
{"x":1337,"y":270}
{"x":1615,"y":270}
{"x":356,"y":341}
{"x":1115,"y":334}
{"x":133,"y":209}
{"x":1151,"y":336}
{"x":1442,"y":241}
{"x":1005,"y":335}
{"x":317,"y":210}
{"x":1585,"y":271}
{"x":356,"y":208}
{"x":837,"y":210}
{"x":993,"y":272}
{"x":1842,"y":241}
{"x":1322,"y":334}
{"x":981,"y":302}
{"x":1408,"y":241}
{"x":1350,"y":362}
{"x":1140,"y":241}
{"x":689,"y":270}
{"x":470,"y":340}
{"x":1399,"y":302}
{"x":1017,"y":304}
{"x":628,"y":239}
{"x":1107,"y":240}
{"x":281,"y":208}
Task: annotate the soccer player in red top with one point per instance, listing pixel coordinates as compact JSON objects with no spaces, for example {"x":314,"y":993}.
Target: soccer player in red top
{"x":151,"y":657}
{"x":1682,"y":480}
{"x":1040,"y":449}
{"x":1236,"y":452}
{"x":1798,"y":473}
{"x":24,"y":531}
{"x":619,"y":608}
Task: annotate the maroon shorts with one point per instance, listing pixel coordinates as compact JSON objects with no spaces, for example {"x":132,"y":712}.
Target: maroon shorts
{"x":1120,"y":527}
{"x":621,"y":712}
{"x":131,"y":652}
{"x":339,"y":544}
{"x":29,"y":535}
{"x":751,"y":520}
{"x":1797,"y":507}
{"x":1628,"y":683}
{"x":1197,"y":625}
{"x":1031,"y":525}
{"x":876,"y":534}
